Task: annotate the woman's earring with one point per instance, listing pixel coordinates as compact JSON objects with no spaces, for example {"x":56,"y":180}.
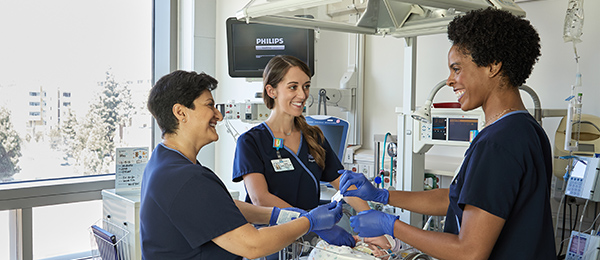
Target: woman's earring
{"x":183,"y":120}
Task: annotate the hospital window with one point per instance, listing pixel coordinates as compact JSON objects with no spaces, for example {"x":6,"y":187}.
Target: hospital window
{"x":77,"y":54}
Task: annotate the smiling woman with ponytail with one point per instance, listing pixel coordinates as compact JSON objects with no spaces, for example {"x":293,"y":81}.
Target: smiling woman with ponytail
{"x":283,"y":159}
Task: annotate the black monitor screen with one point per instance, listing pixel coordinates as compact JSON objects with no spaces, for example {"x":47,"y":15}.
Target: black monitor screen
{"x":250,"y":46}
{"x":334,"y":135}
{"x":459,"y":129}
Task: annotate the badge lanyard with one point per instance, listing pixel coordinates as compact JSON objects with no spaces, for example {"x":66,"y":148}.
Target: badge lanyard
{"x":277,"y":144}
{"x":281,"y":164}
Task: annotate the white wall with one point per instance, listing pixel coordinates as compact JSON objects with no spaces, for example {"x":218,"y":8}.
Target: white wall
{"x":551,"y":77}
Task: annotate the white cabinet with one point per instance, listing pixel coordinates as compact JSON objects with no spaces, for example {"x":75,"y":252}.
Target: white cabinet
{"x":123,"y":210}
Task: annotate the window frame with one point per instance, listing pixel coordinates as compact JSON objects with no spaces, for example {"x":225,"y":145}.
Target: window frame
{"x":20,"y":197}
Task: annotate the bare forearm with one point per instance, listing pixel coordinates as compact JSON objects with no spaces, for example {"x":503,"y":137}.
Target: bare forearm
{"x":275,"y":238}
{"x":440,"y":245}
{"x":270,"y":200}
{"x":478,"y":234}
{"x":251,"y":243}
{"x":433,"y":202}
{"x":254,"y":214}
{"x":357,"y":203}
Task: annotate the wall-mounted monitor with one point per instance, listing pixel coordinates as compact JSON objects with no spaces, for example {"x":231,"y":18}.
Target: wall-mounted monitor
{"x":335,"y":131}
{"x":251,"y":45}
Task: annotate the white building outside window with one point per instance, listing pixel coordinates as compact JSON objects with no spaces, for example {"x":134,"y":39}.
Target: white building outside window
{"x":74,"y":85}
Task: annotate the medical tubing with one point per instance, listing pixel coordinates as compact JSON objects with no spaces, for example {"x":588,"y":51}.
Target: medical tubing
{"x":562,"y":199}
{"x":578,"y":74}
{"x":384,"y":150}
{"x":391,"y":165}
{"x":592,"y":226}
{"x":578,"y":104}
{"x":582,"y":214}
{"x":234,"y":133}
{"x":569,"y":127}
{"x":571,"y":224}
{"x":562,"y":236}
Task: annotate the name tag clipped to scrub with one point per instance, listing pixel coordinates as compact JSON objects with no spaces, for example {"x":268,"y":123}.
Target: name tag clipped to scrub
{"x":281,"y":164}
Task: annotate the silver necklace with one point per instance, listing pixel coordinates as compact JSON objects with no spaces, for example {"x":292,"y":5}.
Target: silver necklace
{"x":290,"y":133}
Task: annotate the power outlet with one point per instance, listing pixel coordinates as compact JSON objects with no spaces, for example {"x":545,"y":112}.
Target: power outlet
{"x":366,"y":170}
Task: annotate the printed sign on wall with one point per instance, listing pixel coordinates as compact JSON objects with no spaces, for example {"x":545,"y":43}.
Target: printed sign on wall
{"x":131,"y":162}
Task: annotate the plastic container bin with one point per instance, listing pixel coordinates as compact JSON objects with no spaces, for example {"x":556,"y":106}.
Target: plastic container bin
{"x":109,"y":241}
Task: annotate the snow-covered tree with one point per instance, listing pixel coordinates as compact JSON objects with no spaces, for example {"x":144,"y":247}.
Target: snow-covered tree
{"x":68,"y":132}
{"x":114,"y":105}
{"x":95,"y":143}
{"x":10,"y":146}
{"x":93,"y":148}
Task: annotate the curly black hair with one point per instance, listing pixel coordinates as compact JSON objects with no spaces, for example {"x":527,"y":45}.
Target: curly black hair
{"x":491,"y":35}
{"x":177,"y":87}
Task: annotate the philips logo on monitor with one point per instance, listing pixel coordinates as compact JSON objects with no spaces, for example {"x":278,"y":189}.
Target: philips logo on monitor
{"x":269,"y":40}
{"x":266,"y":44}
{"x":250,"y":46}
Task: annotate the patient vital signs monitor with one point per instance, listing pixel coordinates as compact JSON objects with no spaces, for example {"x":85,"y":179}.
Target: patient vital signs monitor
{"x":448,"y":126}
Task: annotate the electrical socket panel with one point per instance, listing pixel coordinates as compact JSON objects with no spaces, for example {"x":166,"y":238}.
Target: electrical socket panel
{"x":232,"y":111}
{"x":367,"y":170}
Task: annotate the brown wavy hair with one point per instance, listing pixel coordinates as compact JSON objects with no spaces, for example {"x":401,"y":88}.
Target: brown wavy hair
{"x":274,"y":72}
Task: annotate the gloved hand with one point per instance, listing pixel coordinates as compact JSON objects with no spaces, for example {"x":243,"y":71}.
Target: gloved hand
{"x":373,"y":223}
{"x":336,"y":236}
{"x":365,"y":190}
{"x":324,"y":216}
{"x":280,"y":216}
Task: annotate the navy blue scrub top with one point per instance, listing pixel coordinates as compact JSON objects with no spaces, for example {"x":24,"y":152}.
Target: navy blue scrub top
{"x":183,"y":207}
{"x":299,"y":187}
{"x":507,"y":172}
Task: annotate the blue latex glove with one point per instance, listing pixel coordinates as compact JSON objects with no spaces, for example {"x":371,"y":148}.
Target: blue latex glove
{"x":337,"y":236}
{"x":324,"y":216}
{"x":373,"y":223}
{"x":280,"y":216}
{"x":365,"y":190}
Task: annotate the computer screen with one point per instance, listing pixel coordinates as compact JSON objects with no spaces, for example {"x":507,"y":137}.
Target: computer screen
{"x":453,"y":129}
{"x":335,"y":131}
{"x":578,"y":169}
{"x":460,"y":128}
{"x":250,"y":46}
{"x":577,"y":245}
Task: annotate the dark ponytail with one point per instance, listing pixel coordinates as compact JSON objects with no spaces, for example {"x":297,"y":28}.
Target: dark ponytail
{"x":314,"y":137}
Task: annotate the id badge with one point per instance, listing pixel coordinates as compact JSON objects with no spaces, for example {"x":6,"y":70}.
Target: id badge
{"x":282,"y":165}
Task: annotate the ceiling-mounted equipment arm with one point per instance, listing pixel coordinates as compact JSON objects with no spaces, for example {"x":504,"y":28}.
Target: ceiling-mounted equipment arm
{"x":399,"y":18}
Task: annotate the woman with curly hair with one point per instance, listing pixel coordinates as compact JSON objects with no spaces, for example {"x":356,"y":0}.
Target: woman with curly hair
{"x":498,"y":204}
